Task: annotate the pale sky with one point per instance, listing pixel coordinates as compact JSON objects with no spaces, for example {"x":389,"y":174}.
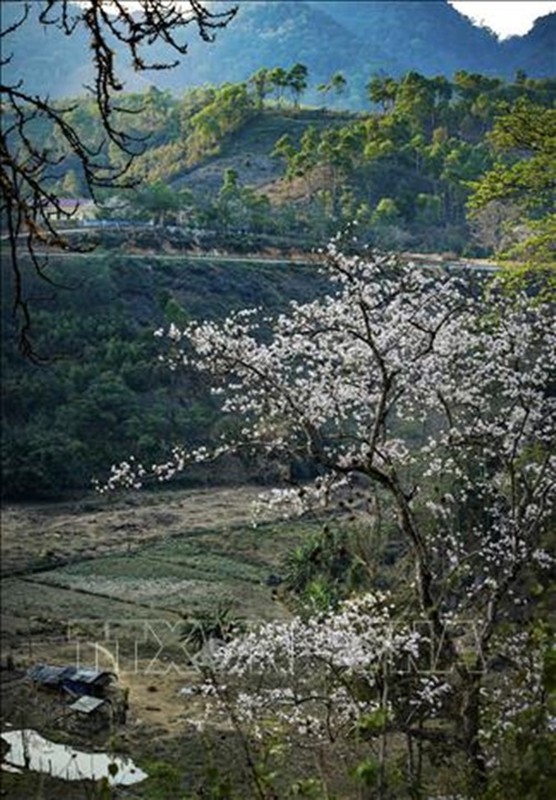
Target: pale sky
{"x":505,"y":18}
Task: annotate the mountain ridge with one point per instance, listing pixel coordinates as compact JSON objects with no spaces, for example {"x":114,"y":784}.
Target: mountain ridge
{"x":359,"y":39}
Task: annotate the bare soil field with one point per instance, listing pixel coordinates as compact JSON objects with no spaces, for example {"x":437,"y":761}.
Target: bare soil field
{"x":41,"y":535}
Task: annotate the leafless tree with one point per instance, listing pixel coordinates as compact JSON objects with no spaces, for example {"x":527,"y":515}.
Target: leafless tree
{"x":29,"y":203}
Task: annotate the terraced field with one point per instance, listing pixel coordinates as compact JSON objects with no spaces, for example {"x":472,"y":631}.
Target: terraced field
{"x":108,"y":583}
{"x":171,"y":556}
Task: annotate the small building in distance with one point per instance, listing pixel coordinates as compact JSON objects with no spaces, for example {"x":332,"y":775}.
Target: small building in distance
{"x":75,"y":681}
{"x":94,"y":713}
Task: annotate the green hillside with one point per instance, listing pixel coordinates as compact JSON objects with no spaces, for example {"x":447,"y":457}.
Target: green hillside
{"x":244,"y":170}
{"x":252,"y":160}
{"x":102,"y":394}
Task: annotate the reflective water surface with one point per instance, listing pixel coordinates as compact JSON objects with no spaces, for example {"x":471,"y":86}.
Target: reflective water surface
{"x":29,"y":749}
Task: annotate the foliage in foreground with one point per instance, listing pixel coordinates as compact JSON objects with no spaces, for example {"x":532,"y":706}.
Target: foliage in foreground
{"x":517,"y":196}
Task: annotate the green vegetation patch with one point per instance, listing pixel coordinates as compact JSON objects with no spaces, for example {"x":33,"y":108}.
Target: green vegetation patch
{"x":265,"y":544}
{"x":30,"y":607}
{"x":161,"y":570}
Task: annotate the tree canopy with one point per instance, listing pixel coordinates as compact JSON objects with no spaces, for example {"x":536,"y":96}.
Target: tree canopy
{"x":523,"y":178}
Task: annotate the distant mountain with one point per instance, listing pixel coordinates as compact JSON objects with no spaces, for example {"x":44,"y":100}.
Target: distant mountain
{"x":281,"y":33}
{"x":429,"y":37}
{"x":356,"y":37}
{"x":44,"y":59}
{"x":534,"y":53}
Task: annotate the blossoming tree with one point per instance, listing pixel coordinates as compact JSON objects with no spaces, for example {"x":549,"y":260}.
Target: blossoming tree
{"x":433,"y":393}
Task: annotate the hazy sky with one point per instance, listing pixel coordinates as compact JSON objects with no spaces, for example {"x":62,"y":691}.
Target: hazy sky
{"x":503,"y":17}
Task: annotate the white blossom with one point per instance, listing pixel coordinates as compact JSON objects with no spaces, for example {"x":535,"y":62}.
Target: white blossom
{"x":442,"y":397}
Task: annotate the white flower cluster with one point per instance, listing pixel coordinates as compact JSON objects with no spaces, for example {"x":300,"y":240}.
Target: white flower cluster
{"x":319,"y":673}
{"x":437,"y":395}
{"x":519,"y":691}
{"x":398,"y":373}
{"x":126,"y":475}
{"x":131,"y":474}
{"x":431,"y":694}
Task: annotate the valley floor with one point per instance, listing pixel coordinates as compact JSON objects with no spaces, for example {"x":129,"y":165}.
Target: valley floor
{"x":106,"y":583}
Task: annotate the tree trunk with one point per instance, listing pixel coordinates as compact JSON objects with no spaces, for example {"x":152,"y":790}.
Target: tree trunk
{"x":470,"y":734}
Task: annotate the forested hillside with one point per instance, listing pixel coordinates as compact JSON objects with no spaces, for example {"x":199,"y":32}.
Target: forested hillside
{"x":102,"y":393}
{"x":358,"y":38}
{"x":250,"y":159}
{"x":246,"y":168}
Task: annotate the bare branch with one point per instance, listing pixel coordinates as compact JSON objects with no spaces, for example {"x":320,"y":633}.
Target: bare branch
{"x":29,"y":203}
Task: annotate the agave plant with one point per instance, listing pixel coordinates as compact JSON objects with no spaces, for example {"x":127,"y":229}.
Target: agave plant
{"x":220,"y":623}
